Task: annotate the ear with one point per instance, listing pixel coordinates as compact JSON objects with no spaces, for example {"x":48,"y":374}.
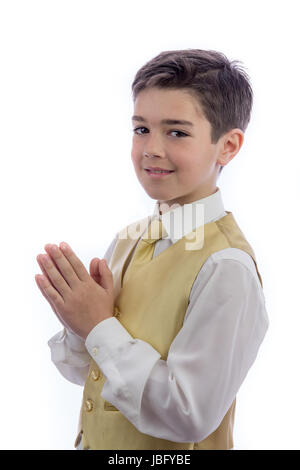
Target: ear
{"x":230,"y":145}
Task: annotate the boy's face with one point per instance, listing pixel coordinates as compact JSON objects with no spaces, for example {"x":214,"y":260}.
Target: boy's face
{"x":183,"y":148}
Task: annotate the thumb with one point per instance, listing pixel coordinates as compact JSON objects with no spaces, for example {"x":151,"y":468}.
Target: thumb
{"x":106,"y":275}
{"x":94,"y":269}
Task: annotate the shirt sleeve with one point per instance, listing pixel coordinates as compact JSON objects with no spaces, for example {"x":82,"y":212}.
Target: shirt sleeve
{"x":68,"y":351}
{"x":185,"y":398}
{"x":69,"y":355}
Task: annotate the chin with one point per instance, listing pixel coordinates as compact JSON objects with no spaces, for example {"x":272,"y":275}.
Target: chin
{"x":154,"y":194}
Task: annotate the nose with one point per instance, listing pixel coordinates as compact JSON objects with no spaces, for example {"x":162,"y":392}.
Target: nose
{"x":153,"y":147}
{"x":148,"y":154}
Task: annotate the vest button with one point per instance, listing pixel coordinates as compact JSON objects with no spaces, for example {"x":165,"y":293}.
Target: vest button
{"x":89,"y":405}
{"x":95,"y":374}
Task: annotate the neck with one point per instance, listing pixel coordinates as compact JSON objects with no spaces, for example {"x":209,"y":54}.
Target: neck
{"x":165,"y":206}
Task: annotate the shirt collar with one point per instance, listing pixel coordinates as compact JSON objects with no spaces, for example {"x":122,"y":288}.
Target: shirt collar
{"x":181,"y":220}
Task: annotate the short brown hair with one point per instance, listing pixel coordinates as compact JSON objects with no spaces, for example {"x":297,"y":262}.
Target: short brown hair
{"x":221,"y":87}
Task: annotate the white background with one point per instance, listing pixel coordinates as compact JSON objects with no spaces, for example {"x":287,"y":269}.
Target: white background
{"x":66,"y":174}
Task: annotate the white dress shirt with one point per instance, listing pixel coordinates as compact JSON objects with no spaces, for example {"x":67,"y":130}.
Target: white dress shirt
{"x":184,"y":398}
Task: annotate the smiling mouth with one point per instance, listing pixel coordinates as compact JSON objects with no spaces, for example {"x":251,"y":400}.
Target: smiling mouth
{"x":159,"y":172}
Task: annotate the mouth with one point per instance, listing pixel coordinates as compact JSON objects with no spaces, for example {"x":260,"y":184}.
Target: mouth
{"x":158,"y":173}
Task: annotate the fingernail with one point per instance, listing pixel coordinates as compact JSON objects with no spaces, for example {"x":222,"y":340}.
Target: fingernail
{"x":41,"y":279}
{"x":64,"y":246}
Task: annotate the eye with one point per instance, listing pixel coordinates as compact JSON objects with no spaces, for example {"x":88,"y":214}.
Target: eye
{"x":182,"y":134}
{"x":138,"y":128}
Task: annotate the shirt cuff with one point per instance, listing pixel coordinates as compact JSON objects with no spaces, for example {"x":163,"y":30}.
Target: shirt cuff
{"x":74,"y":342}
{"x":67,"y":348}
{"x":106,"y":338}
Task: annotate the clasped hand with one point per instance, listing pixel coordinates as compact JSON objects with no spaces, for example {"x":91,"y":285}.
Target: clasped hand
{"x":79,"y":300}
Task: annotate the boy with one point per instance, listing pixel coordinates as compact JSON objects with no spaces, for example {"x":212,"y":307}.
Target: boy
{"x":163,"y":338}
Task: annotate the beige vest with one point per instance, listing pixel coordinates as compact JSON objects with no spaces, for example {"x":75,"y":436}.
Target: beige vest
{"x":155,"y":319}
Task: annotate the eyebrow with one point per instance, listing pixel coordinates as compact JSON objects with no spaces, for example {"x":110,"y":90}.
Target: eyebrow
{"x":165,"y":121}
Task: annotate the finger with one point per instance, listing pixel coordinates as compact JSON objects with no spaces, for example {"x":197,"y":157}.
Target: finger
{"x":54,"y":276}
{"x":40,"y":281}
{"x":50,"y":292}
{"x":78,"y":266}
{"x":94,"y":269}
{"x":45,"y":275}
{"x":63,"y":264}
{"x":107,"y":276}
{"x":43,"y":269}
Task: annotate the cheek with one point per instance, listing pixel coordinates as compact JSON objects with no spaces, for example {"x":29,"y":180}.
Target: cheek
{"x":137,"y":163}
{"x":186,"y":165}
{"x":134,"y":157}
{"x":189,"y":170}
